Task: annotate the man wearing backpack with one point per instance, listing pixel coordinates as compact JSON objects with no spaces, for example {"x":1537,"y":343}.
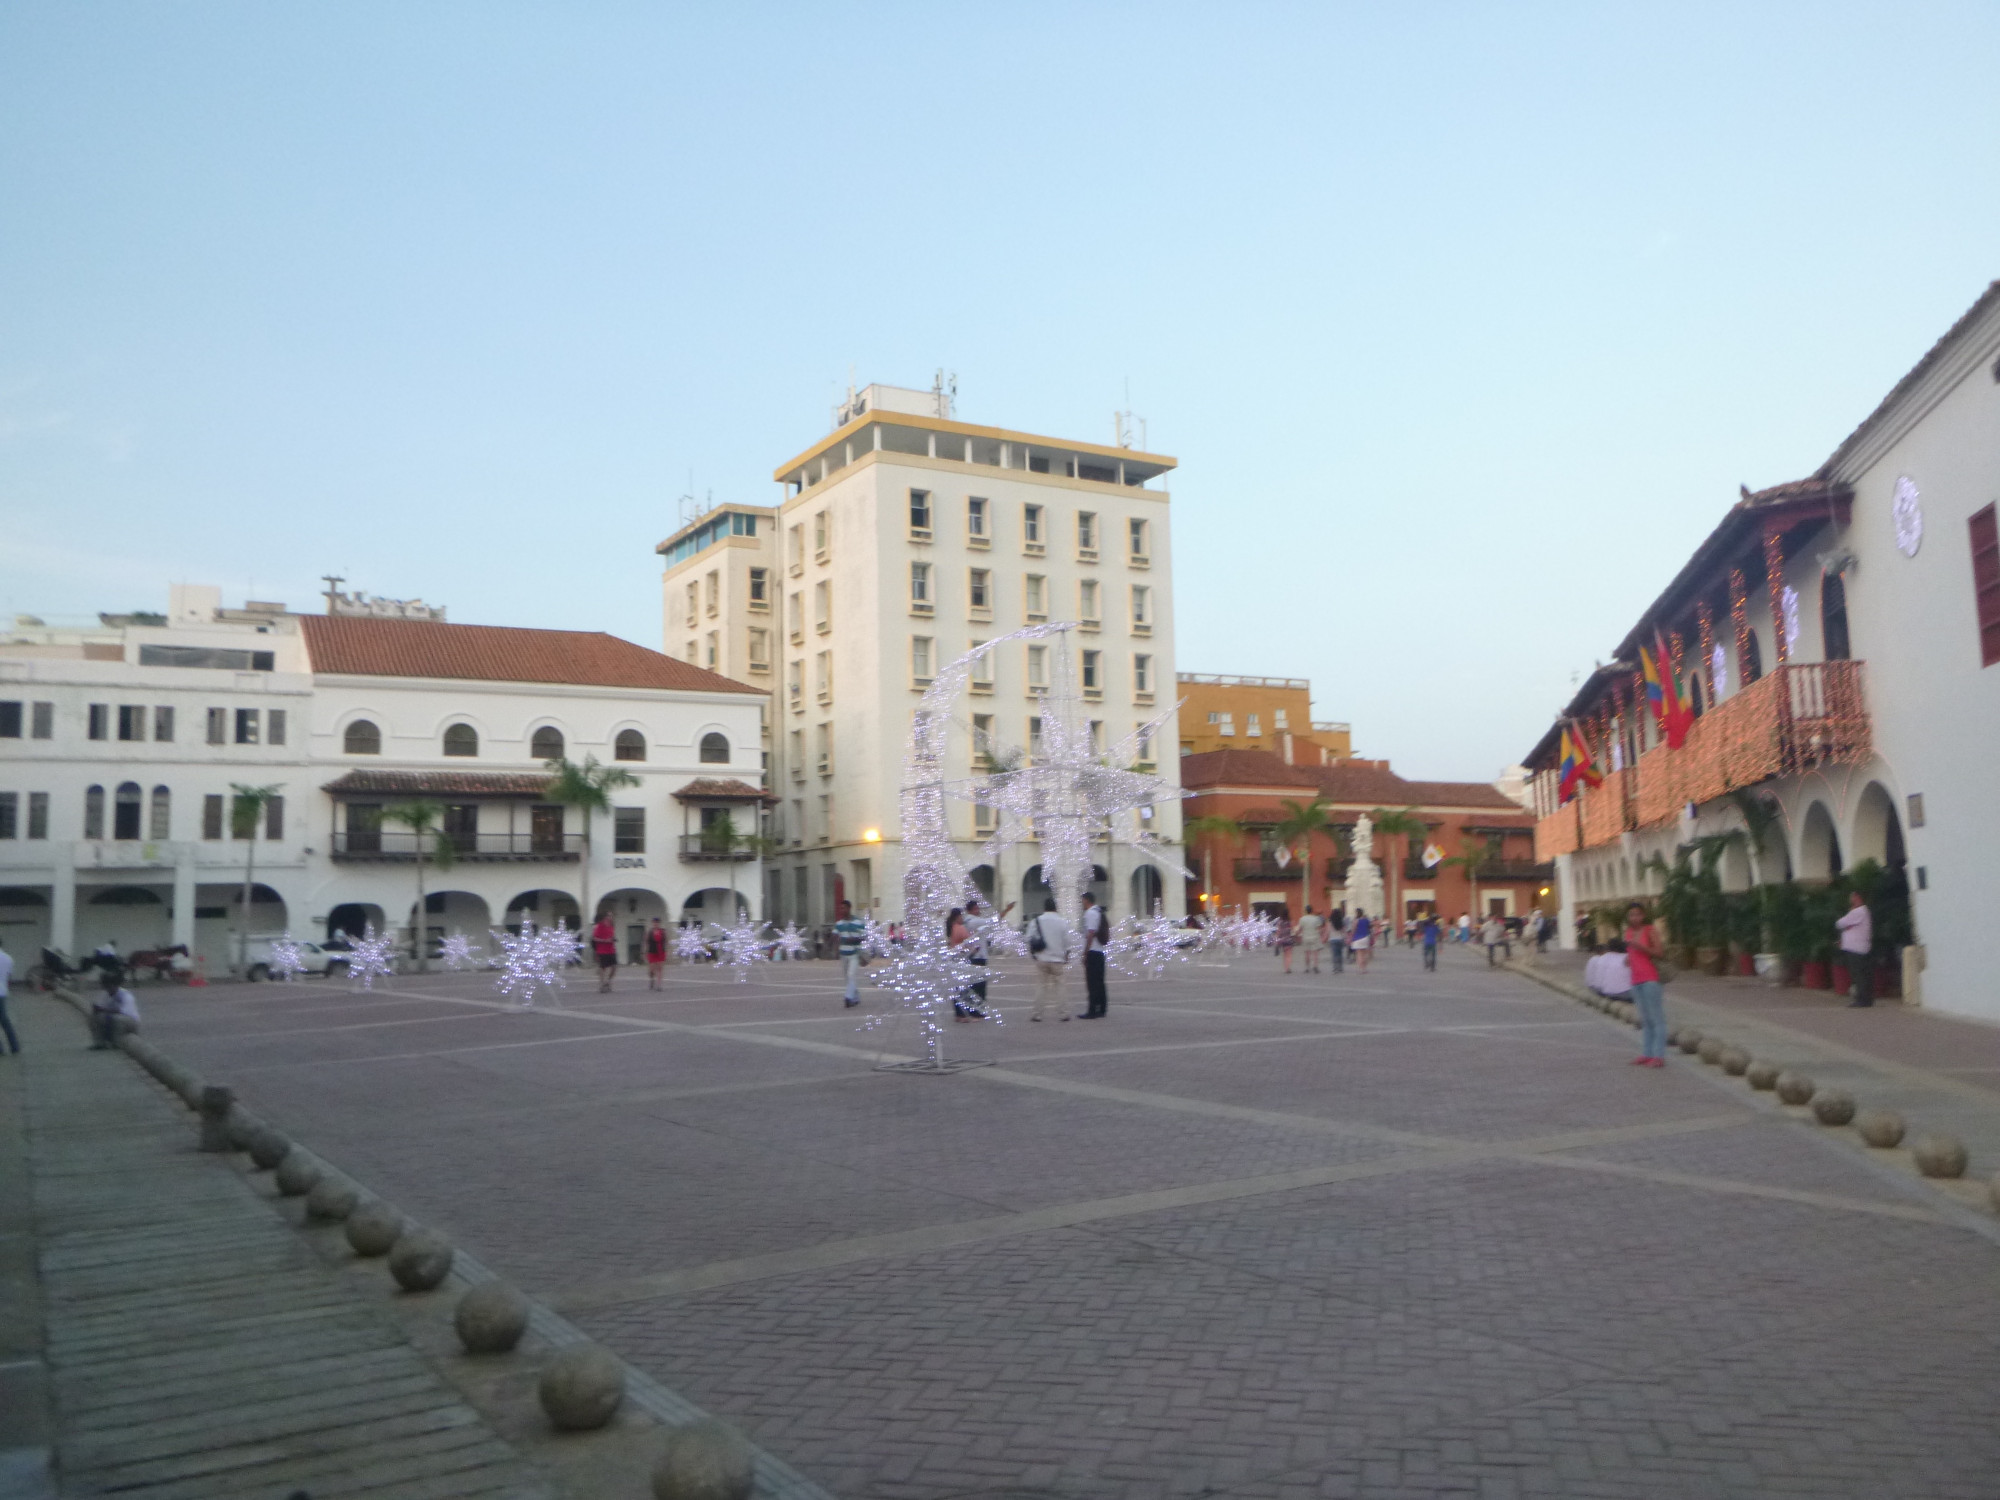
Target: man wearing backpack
{"x":1096,"y":935}
{"x":1048,"y":944}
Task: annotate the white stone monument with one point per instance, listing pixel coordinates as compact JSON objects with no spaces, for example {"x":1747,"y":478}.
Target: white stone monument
{"x":1364,"y":876}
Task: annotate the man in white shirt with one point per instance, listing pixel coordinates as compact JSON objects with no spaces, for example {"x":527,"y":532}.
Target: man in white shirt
{"x":6,"y":977}
{"x":1857,"y":941}
{"x":1048,"y":943}
{"x":112,"y":1014}
{"x":1096,"y":938}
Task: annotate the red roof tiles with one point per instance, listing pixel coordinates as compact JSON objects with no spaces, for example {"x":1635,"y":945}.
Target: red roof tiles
{"x":1349,"y":782}
{"x":363,"y":647}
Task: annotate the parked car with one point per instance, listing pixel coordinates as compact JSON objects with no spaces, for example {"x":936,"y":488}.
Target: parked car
{"x":318,"y":960}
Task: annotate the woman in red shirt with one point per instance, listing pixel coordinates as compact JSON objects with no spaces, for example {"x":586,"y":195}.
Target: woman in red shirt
{"x":1642,"y":950}
{"x":656,"y":955}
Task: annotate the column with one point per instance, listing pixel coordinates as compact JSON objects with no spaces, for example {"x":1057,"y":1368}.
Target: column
{"x":184,"y":896}
{"x":1774,"y":582}
{"x":62,"y":899}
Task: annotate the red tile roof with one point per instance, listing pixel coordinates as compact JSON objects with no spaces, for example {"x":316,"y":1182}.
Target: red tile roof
{"x":441,"y":784}
{"x":1353,"y":783}
{"x":721,"y":789}
{"x":363,"y":647}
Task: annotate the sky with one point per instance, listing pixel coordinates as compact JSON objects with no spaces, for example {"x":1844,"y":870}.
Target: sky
{"x":1464,"y":322}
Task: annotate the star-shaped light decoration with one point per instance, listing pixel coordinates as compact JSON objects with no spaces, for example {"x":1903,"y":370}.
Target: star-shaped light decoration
{"x":740,"y":946}
{"x":456,"y":951}
{"x":288,"y":959}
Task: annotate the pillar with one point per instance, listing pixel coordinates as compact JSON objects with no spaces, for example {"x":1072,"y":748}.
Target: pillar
{"x":184,"y":898}
{"x":1774,"y":581}
{"x":62,"y":900}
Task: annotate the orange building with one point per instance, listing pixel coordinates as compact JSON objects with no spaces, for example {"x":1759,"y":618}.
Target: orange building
{"x":1258,"y":713}
{"x":1251,"y":866}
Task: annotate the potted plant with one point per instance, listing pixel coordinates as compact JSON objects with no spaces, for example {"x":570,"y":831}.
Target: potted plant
{"x":1819,"y":906}
{"x":1743,"y":921}
{"x":1784,"y":923}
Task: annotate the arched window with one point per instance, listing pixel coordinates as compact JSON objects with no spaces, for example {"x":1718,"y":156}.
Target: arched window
{"x":547,"y":743}
{"x":93,"y":813}
{"x":125,"y":814}
{"x":461,"y":739}
{"x":159,"y":829}
{"x":630,"y":745}
{"x":714,"y":749}
{"x":363,"y":738}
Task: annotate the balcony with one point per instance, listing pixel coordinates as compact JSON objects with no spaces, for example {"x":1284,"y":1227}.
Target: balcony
{"x":399,"y":846}
{"x":1800,"y":717}
{"x":1263,"y":867}
{"x":699,"y":848}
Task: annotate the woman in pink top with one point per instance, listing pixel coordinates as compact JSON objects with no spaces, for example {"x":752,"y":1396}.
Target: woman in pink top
{"x":1642,"y":951}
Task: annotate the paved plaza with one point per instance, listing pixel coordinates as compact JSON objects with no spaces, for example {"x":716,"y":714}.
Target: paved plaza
{"x":1256,"y":1235}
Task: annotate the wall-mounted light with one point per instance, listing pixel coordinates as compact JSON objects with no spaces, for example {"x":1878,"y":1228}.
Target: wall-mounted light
{"x":871,"y":835}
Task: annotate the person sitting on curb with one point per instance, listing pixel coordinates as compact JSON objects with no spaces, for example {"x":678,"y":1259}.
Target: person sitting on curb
{"x":112,"y":1014}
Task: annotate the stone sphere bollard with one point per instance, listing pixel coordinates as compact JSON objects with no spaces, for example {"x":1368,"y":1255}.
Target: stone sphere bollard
{"x":1735,"y":1061}
{"x":1711,"y":1049}
{"x":1795,"y":1088}
{"x":372,"y":1229}
{"x":1690,"y":1041}
{"x":297,"y":1173}
{"x":332,"y":1199}
{"x":1940,"y":1156}
{"x":1881,"y":1128}
{"x":1761,"y":1075}
{"x":1833,"y":1108}
{"x":242,"y":1129}
{"x":703,"y":1461}
{"x":421,"y":1260}
{"x":267,"y":1148}
{"x":582,"y":1388}
{"x":490,"y":1318}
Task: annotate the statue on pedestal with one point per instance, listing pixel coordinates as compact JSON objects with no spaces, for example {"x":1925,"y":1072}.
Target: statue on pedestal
{"x":1364,"y":877}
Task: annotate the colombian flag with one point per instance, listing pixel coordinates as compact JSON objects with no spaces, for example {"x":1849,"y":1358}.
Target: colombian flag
{"x":1663,"y":694}
{"x":1575,"y":766}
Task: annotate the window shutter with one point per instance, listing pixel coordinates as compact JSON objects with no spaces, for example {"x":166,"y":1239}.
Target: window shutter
{"x":1986,"y":583}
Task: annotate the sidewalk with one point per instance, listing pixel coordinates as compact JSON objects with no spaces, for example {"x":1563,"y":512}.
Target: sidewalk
{"x":1938,"y":1072}
{"x":189,"y":1341}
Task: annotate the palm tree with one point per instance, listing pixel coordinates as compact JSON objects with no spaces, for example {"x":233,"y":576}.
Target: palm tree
{"x":246,"y":810}
{"x":1469,"y":858}
{"x":1404,"y":826}
{"x":724,"y":838}
{"x":1208,"y":830}
{"x":587,"y":788}
{"x":1301,"y":821}
{"x":425,"y":819}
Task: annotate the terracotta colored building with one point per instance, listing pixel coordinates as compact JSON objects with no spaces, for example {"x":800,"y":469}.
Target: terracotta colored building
{"x":1244,"y":870}
{"x":1221,"y":712}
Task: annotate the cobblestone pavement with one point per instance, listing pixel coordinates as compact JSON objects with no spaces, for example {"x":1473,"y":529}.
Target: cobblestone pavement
{"x":1256,"y":1235}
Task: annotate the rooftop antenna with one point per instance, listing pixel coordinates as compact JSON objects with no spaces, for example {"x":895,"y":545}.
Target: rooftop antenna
{"x":1122,"y":423}
{"x":944,"y":391}
{"x":333,"y":583}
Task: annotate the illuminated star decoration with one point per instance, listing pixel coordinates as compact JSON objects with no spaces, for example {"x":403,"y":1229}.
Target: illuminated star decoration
{"x":288,"y":960}
{"x":791,"y":941}
{"x":740,"y":946}
{"x":1144,"y":946}
{"x":875,"y":939}
{"x":372,"y":958}
{"x":690,"y":943}
{"x":457,"y":953}
{"x":532,"y":959}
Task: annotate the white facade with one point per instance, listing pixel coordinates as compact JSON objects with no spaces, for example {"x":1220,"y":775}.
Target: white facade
{"x":148,"y":859}
{"x":1925,"y":797}
{"x":904,"y":539}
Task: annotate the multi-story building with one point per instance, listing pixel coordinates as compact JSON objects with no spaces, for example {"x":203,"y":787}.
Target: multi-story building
{"x":904,"y":538}
{"x":1480,"y":843}
{"x":122,"y":745}
{"x":1839,"y":635}
{"x":1220,"y":712}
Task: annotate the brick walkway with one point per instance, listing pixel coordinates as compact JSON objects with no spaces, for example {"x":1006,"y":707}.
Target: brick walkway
{"x":1257,"y":1235}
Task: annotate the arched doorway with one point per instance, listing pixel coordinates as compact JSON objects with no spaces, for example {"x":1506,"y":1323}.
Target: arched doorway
{"x":632,"y":911}
{"x":133,"y":917}
{"x":218,"y":921}
{"x":24,"y":922}
{"x":715,"y":904}
{"x":1878,"y":832}
{"x":982,"y":878}
{"x":453,"y":913}
{"x":351,"y":920}
{"x":547,"y":909}
{"x":1035,"y":890}
{"x":1819,"y":845}
{"x":1147,"y":890}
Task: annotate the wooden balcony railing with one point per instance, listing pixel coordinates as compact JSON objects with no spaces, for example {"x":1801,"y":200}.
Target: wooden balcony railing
{"x":1800,"y":717}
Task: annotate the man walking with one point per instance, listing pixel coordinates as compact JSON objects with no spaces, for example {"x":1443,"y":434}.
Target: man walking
{"x":1430,"y":936}
{"x":1048,"y":944}
{"x":1642,"y":952}
{"x":849,"y":931}
{"x":1857,"y":944}
{"x":1096,"y":935}
{"x":6,"y":1025}
{"x":604,"y":942}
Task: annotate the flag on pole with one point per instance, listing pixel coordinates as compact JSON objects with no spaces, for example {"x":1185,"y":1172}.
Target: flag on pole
{"x":1575,"y":766}
{"x":1433,"y":856}
{"x":1663,"y":694}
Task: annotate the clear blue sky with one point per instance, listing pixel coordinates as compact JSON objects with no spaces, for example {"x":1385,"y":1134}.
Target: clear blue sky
{"x":1465,"y":321}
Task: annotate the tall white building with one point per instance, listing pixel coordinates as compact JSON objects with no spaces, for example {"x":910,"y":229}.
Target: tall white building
{"x":905,"y":537}
{"x":121,"y":743}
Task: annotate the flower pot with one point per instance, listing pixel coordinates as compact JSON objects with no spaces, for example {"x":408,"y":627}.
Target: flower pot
{"x":1842,"y":980}
{"x":1746,"y":964}
{"x":1710,"y":960}
{"x":1813,"y":974}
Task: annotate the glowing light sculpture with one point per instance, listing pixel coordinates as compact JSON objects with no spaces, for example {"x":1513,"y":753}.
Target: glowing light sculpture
{"x":372,"y":958}
{"x":288,"y":959}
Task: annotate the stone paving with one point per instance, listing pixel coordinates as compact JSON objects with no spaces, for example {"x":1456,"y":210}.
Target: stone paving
{"x":1256,"y":1235}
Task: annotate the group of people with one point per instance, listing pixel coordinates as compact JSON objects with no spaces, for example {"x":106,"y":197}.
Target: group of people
{"x":604,"y":949}
{"x":970,"y":931}
{"x":1314,"y":935}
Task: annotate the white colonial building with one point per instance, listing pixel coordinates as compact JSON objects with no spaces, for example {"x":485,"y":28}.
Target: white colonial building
{"x":1842,"y":634}
{"x":903,"y":539}
{"x":121,"y":746}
